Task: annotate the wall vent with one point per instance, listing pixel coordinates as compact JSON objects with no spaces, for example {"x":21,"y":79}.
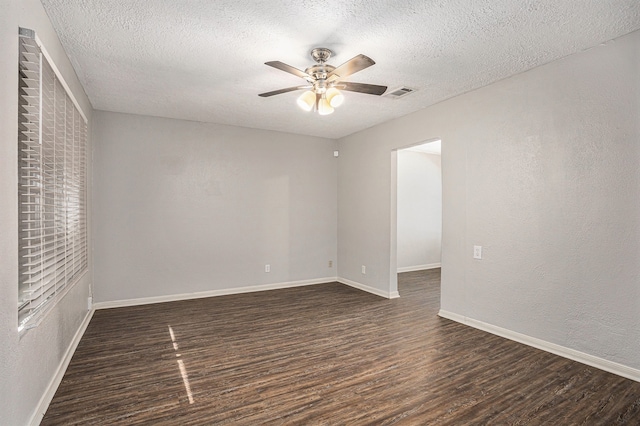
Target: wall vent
{"x":399,"y":92}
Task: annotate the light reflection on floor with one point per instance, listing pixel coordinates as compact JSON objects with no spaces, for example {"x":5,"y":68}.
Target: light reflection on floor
{"x":183,"y":370}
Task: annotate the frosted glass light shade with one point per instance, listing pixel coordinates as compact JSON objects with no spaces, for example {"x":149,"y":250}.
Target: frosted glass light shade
{"x":324,"y":108}
{"x":334,"y":97}
{"x":307,"y":100}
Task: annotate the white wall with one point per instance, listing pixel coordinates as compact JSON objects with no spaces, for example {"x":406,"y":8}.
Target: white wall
{"x":29,"y":362}
{"x":184,"y":207}
{"x":543,"y":170}
{"x":419,"y":207}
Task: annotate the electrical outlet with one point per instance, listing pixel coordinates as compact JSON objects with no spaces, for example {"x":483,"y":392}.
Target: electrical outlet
{"x":477,"y":252}
{"x":364,"y":269}
{"x":267,"y":268}
{"x":89,"y":303}
{"x":331,"y":264}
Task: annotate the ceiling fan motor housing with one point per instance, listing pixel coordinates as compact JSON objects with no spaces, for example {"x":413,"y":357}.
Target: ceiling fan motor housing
{"x":319,"y":74}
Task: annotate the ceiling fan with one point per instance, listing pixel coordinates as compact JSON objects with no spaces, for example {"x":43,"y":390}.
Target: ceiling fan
{"x":324,"y":80}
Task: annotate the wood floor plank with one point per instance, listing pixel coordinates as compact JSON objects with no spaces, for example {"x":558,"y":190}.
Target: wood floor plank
{"x":323,"y":354}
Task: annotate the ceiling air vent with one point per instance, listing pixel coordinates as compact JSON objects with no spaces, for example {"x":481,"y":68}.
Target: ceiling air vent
{"x":400,"y":92}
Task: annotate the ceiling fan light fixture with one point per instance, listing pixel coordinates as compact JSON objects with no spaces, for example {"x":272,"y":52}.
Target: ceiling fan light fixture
{"x":323,"y":79}
{"x":334,"y":97}
{"x":307,"y":100}
{"x":324,"y":108}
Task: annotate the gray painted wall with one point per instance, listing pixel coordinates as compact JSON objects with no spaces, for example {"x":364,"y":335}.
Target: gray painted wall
{"x":185,"y":207}
{"x":29,"y":362}
{"x":419,"y":209}
{"x":541,"y":169}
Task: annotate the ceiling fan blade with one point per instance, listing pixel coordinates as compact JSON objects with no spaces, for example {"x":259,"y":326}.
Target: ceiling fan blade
{"x":278,"y":92}
{"x":352,"y":66}
{"x":370,"y":89}
{"x":291,"y":70}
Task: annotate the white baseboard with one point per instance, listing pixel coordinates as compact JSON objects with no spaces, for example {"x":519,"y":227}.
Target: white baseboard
{"x":210,"y":293}
{"x":419,"y":267}
{"x":593,"y":361}
{"x":46,"y":398}
{"x":369,"y":289}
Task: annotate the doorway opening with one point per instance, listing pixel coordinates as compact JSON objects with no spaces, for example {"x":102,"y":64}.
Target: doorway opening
{"x":417,"y":208}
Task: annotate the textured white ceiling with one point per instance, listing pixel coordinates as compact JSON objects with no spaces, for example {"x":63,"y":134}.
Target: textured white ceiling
{"x":204,"y":60}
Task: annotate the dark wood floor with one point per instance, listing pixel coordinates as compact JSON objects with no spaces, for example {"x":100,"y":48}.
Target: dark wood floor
{"x":323,"y":354}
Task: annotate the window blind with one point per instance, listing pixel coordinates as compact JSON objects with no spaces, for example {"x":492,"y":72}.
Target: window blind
{"x":52,"y":135}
